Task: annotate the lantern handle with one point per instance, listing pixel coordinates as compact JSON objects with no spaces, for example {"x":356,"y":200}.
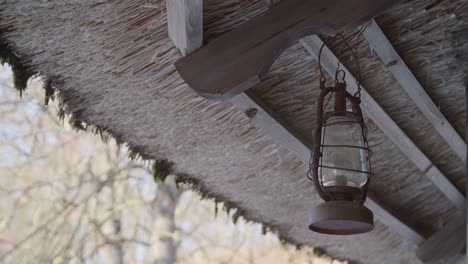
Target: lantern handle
{"x":354,"y":51}
{"x":323,"y":78}
{"x":342,"y":79}
{"x":355,"y":54}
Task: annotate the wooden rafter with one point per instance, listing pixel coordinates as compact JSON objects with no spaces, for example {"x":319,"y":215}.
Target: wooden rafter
{"x":387,"y":125}
{"x":462,"y":260}
{"x":237,"y":60}
{"x":400,"y":71}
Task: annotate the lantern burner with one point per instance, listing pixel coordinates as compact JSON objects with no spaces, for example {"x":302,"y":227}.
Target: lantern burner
{"x":341,"y":218}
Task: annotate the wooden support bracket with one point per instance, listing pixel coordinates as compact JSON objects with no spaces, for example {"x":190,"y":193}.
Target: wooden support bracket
{"x":237,"y":60}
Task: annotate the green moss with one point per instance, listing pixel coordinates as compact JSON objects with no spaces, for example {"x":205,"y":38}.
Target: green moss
{"x":319,"y":252}
{"x":284,"y":242}
{"x":215,"y":208}
{"x":49,"y":91}
{"x":228,"y":206}
{"x":161,"y":169}
{"x":61,"y":114}
{"x":235,"y":216}
{"x":187,"y":180}
{"x":21,"y":73}
{"x":78,"y":125}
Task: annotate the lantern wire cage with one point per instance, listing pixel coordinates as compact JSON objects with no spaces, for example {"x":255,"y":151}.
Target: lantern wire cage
{"x":354,"y":100}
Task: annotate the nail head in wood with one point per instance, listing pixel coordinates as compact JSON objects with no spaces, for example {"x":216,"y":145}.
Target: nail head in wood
{"x":251,"y":113}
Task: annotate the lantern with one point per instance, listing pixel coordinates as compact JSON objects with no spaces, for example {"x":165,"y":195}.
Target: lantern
{"x":340,"y":165}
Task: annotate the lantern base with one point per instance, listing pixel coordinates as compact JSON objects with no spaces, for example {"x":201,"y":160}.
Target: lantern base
{"x":341,"y":218}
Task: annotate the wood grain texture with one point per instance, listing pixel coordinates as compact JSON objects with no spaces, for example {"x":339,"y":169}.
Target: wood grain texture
{"x":400,"y":71}
{"x":237,"y":60}
{"x":271,"y":2}
{"x":185,"y":24}
{"x":372,"y":109}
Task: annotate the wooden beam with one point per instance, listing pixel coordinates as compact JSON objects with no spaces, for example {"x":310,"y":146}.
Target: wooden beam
{"x":273,"y":125}
{"x":237,"y":60}
{"x":460,"y":45}
{"x":392,"y":221}
{"x":185,"y":24}
{"x":446,"y":243}
{"x":270,"y":3}
{"x":462,"y":260}
{"x":387,"y":125}
{"x":400,"y":71}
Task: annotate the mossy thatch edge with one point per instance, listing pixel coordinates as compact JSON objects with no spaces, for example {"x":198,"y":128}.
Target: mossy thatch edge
{"x":21,"y":73}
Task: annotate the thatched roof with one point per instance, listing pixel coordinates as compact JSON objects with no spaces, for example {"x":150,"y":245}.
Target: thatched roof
{"x":112,"y":63}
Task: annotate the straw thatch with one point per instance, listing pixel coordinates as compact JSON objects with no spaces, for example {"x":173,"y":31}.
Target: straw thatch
{"x":112,"y":63}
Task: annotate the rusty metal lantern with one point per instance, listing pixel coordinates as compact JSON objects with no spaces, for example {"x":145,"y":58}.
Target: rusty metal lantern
{"x":340,"y":165}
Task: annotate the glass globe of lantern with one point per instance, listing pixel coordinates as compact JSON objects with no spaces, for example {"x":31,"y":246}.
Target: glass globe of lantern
{"x":344,"y":159}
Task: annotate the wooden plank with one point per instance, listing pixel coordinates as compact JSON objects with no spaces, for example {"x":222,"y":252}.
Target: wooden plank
{"x":392,"y":221}
{"x":185,"y":24}
{"x":400,"y":71}
{"x":387,"y":125}
{"x":462,"y":260}
{"x":237,"y":60}
{"x":446,"y":243}
{"x":461,"y":50}
{"x":446,"y":187}
{"x":271,"y":2}
{"x":273,"y":125}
